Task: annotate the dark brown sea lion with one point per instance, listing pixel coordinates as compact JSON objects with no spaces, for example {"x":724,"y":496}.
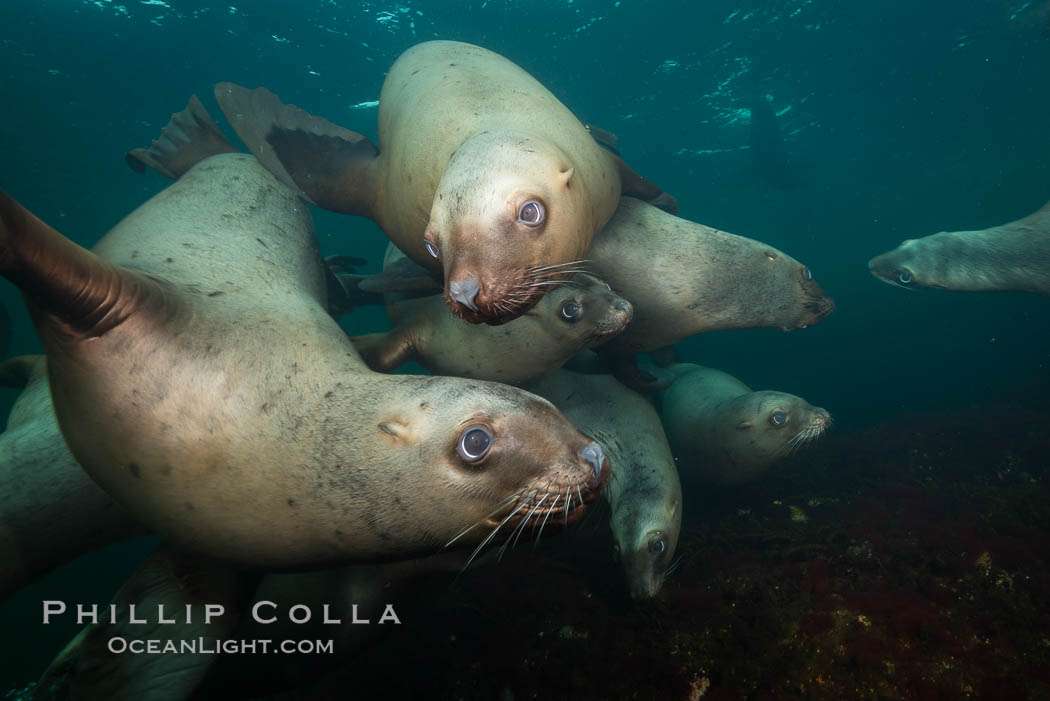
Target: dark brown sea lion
{"x":482,"y":173}
{"x":198,"y":377}
{"x":1012,"y":256}
{"x":723,"y":433}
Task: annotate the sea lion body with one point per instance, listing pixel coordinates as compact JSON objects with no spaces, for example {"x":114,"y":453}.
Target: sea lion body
{"x":645,"y":494}
{"x":684,"y":278}
{"x":721,"y":432}
{"x":197,"y":376}
{"x":50,"y":510}
{"x":575,"y":316}
{"x":1013,"y":256}
{"x":481,"y":172}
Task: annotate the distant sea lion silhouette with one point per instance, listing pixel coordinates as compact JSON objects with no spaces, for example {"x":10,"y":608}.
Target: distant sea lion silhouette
{"x":1012,"y":256}
{"x":197,"y":376}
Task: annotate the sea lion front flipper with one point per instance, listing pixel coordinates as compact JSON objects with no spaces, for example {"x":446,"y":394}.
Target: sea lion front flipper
{"x":82,"y":294}
{"x":18,"y":371}
{"x":328,"y":165}
{"x":627,"y":371}
{"x":190,"y":137}
{"x":388,"y":351}
{"x":604,"y":137}
{"x":634,"y":185}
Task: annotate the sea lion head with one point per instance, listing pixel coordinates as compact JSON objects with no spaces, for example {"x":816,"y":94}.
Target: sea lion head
{"x":481,"y":461}
{"x":803,"y":301}
{"x":582,"y":313}
{"x":761,"y":427}
{"x":645,"y":541}
{"x":932,"y":261}
{"x":505,"y":224}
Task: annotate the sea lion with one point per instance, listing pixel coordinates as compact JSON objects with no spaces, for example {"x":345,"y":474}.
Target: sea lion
{"x":644,"y":494}
{"x":721,"y":432}
{"x":481,"y":173}
{"x":1012,"y":256}
{"x":50,"y":510}
{"x":198,"y":377}
{"x":575,"y":316}
{"x":685,"y":278}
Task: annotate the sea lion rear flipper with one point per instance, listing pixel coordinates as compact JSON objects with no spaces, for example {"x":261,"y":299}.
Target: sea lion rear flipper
{"x":328,"y":165}
{"x":84,"y":295}
{"x":384,"y":352}
{"x":634,"y":185}
{"x":189,"y":138}
{"x":18,"y":371}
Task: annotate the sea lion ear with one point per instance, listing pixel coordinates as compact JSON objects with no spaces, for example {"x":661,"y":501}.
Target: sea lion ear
{"x":742,"y":425}
{"x":393,"y":429}
{"x":566,"y":176}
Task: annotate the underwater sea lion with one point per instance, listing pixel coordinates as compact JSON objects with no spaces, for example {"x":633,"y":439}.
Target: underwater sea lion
{"x":684,"y":278}
{"x":198,"y":378}
{"x":481,"y":172}
{"x":50,"y":510}
{"x":645,"y":494}
{"x":577,"y":315}
{"x":722,"y":432}
{"x":1012,"y":256}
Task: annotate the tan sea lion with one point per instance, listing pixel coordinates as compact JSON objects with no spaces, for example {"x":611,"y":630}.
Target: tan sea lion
{"x":198,"y":378}
{"x":1013,"y":256}
{"x":685,"y":278}
{"x":577,"y":315}
{"x":644,"y":494}
{"x":50,"y":510}
{"x":721,"y":432}
{"x":481,"y":172}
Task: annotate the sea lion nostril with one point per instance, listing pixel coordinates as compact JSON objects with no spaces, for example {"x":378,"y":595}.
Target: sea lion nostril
{"x":464,"y":291}
{"x":594,"y":454}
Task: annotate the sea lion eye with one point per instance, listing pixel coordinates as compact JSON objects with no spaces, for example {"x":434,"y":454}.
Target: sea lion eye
{"x":531,"y":213}
{"x":807,"y":274}
{"x":778,"y":418}
{"x":904,"y":276}
{"x":474,"y":444}
{"x":657,"y":546}
{"x":570,"y":310}
{"x":431,"y":248}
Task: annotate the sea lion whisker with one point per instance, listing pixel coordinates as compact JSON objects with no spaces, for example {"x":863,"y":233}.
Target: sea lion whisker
{"x":556,"y":266}
{"x":672,"y":568}
{"x":527,"y":517}
{"x":580,"y":493}
{"x":519,"y":528}
{"x":492,"y":535}
{"x":568,"y":501}
{"x":550,"y":511}
{"x":481,"y":520}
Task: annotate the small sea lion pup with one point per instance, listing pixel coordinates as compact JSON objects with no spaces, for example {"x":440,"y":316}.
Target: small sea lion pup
{"x":480,"y":173}
{"x":51,"y":511}
{"x":1013,"y":256}
{"x":685,"y":278}
{"x":645,"y":495}
{"x":721,"y":432}
{"x":577,"y":315}
{"x":199,"y":379}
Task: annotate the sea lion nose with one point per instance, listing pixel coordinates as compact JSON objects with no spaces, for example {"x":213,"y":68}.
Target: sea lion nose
{"x":464,"y":291}
{"x":625,"y":306}
{"x":594,"y":454}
